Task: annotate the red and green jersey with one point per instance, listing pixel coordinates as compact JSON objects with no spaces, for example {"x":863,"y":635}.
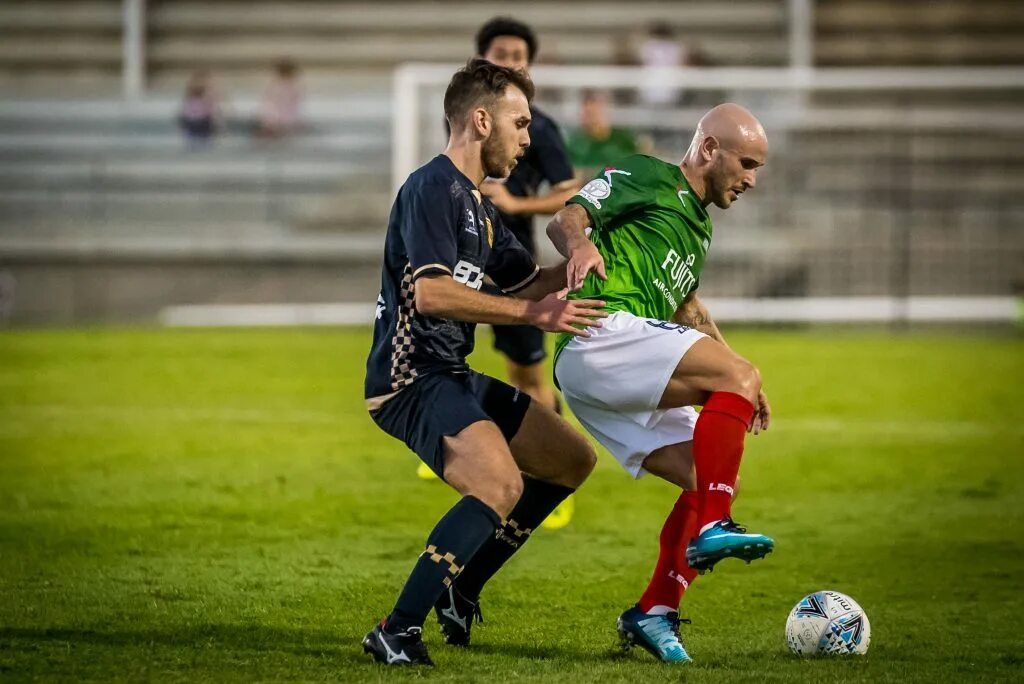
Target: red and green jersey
{"x":653,"y":234}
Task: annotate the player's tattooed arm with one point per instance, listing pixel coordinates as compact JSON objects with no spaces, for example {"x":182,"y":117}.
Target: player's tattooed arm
{"x":439,"y":296}
{"x":568,"y":232}
{"x":693,"y":314}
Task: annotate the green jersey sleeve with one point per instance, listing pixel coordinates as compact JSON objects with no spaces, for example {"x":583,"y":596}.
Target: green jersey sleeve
{"x":617,"y":191}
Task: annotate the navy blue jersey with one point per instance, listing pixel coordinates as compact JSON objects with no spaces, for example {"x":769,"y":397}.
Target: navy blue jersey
{"x":546,"y":159}
{"x":438,"y":224}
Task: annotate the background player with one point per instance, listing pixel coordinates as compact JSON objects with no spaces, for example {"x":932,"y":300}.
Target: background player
{"x":633,"y":383}
{"x":513,"y":44}
{"x":512,"y":459}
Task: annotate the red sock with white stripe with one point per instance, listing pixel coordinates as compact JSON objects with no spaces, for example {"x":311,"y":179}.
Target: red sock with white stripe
{"x":717,"y":452}
{"x":672,"y":574}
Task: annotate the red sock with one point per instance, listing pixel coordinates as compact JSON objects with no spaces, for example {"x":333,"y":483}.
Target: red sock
{"x":672,"y":574}
{"x":717,"y":450}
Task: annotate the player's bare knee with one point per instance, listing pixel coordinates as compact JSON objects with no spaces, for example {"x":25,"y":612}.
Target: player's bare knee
{"x":584,"y":456}
{"x":585,"y":462}
{"x":507,"y":493}
{"x":500,"y":493}
{"x":688,"y":480}
{"x":745,"y":379}
{"x":579,"y":461}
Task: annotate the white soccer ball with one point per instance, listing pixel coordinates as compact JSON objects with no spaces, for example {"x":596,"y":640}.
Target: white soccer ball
{"x":828,"y":622}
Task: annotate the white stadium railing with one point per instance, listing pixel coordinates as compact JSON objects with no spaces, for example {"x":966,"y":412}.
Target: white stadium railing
{"x":410,"y":79}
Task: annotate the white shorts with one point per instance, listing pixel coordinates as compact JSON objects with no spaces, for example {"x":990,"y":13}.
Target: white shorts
{"x":614,"y":380}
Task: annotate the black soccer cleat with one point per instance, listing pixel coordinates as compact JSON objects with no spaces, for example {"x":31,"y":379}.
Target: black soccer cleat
{"x":455,"y":615}
{"x":401,"y":648}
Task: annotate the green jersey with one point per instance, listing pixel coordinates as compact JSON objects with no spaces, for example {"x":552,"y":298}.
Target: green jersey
{"x":653,"y":233}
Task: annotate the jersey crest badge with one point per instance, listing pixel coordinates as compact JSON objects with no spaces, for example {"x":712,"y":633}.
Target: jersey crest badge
{"x":595,"y":191}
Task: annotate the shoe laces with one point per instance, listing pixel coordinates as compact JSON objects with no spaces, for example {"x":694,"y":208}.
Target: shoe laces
{"x":675,"y":621}
{"x":664,"y":629}
{"x":732,"y":526}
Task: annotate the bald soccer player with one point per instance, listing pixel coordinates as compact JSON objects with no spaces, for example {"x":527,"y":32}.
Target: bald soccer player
{"x":637,"y":237}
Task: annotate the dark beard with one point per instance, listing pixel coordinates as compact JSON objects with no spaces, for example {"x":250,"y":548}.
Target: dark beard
{"x":490,"y":159}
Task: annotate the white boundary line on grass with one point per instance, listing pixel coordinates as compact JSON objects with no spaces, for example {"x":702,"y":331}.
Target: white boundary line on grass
{"x":735,"y":309}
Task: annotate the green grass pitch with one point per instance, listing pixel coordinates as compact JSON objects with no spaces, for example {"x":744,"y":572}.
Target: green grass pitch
{"x":216,"y":505}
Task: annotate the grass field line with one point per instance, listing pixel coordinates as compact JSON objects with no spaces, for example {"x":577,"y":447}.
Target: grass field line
{"x":811,"y":424}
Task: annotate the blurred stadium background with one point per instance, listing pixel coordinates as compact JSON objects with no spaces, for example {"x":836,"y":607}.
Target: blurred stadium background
{"x":897,"y":134}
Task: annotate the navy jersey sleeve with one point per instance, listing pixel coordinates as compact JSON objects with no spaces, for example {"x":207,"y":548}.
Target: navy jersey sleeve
{"x":551,"y":154}
{"x":510,"y":265}
{"x":429,"y":230}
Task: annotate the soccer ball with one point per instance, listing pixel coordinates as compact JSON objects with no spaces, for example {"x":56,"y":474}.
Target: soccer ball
{"x":827,"y":622}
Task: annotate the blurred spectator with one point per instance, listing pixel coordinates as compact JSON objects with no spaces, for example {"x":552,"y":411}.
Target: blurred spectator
{"x":8,"y":287}
{"x":660,"y":49}
{"x":596,"y":143}
{"x":281,"y":109}
{"x":200,"y":117}
{"x":624,"y":54}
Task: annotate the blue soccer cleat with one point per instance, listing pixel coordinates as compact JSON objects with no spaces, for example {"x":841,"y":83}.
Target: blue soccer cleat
{"x":726,"y":539}
{"x":657,"y":634}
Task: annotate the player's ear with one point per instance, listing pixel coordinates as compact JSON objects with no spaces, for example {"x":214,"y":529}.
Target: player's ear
{"x":709,"y":147}
{"x":481,"y":121}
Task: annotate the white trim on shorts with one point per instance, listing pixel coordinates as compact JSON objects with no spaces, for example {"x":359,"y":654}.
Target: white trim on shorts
{"x":614,"y":380}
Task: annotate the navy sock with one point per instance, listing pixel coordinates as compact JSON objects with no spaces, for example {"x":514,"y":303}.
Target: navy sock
{"x":538,"y":500}
{"x":453,"y":541}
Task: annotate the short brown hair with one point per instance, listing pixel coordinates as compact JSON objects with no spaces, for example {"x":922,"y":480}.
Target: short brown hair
{"x":480,"y":83}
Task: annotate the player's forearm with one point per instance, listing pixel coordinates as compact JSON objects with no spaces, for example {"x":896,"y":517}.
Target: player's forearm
{"x":442,"y":297}
{"x":694,"y":314}
{"x":568,"y":229}
{"x":550,"y":279}
{"x":548,"y":203}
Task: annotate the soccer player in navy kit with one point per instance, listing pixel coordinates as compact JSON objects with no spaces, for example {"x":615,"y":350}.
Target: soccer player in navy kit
{"x":512,"y":459}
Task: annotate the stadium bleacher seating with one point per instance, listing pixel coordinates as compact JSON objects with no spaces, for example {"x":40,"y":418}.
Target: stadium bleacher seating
{"x":76,"y":162}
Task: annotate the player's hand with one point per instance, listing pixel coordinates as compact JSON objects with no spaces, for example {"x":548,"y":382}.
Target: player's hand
{"x":762,"y":414}
{"x":555,"y":313}
{"x":582,"y":260}
{"x":499,"y":195}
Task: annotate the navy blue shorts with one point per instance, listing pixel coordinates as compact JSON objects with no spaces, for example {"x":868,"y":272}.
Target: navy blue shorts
{"x":522,"y":344}
{"x":444,"y":404}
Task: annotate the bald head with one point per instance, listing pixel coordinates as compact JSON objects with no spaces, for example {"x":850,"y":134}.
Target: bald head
{"x":734,"y":127}
{"x":728,"y":147}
